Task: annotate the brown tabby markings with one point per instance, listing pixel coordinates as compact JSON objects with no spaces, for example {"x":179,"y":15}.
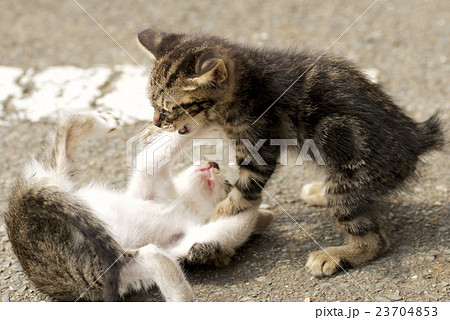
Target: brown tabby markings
{"x":43,"y":217}
{"x":370,"y":147}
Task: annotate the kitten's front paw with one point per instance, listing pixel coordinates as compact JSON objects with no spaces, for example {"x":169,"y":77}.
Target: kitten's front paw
{"x":224,"y":208}
{"x":105,"y":122}
{"x":229,"y":208}
{"x":209,"y":253}
{"x":313,"y":194}
{"x":321,"y":263}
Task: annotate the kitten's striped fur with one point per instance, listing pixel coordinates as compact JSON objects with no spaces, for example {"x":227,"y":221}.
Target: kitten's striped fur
{"x":42,"y":212}
{"x":369,"y":145}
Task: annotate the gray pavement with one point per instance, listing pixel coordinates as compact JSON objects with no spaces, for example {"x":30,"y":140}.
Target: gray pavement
{"x":407,"y":41}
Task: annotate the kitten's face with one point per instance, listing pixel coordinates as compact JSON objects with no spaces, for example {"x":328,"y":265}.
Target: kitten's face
{"x":189,"y":78}
{"x":204,"y":182}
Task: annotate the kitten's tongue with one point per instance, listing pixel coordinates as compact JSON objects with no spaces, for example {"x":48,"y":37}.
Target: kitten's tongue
{"x":208,"y":174}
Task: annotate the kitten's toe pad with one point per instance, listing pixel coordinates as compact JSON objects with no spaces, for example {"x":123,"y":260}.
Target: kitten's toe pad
{"x":321,"y":263}
{"x":105,"y":122}
{"x":209,"y":253}
{"x":313,"y":194}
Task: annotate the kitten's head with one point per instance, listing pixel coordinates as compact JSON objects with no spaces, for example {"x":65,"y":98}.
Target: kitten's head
{"x":191,"y":75}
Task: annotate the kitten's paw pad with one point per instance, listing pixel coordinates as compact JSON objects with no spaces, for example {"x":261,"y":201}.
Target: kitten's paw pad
{"x":314,"y":194}
{"x":209,"y":253}
{"x":105,"y":122}
{"x":321,"y":263}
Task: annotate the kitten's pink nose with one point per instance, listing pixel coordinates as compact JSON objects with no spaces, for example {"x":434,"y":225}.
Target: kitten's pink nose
{"x":214,"y":165}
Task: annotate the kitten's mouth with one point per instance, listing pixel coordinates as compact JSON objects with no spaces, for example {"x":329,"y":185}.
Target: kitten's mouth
{"x":183,"y":130}
{"x":210,"y":170}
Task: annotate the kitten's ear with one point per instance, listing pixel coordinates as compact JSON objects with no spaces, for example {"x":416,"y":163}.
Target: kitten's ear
{"x":213,"y":71}
{"x":157,"y":42}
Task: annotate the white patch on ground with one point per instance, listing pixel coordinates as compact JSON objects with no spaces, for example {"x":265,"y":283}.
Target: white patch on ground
{"x":67,"y":89}
{"x":8,"y":86}
{"x":128,"y":99}
{"x":8,"y":82}
{"x":58,"y":90}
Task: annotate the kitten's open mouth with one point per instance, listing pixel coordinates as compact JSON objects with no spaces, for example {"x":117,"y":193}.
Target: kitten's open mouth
{"x":210,"y":171}
{"x":183,"y":130}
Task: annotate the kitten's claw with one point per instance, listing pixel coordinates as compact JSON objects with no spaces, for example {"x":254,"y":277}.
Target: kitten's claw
{"x":313,"y":194}
{"x":105,"y":122}
{"x":209,"y":253}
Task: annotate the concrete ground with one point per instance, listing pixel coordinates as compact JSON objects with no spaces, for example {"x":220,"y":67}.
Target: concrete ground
{"x":408,"y":42}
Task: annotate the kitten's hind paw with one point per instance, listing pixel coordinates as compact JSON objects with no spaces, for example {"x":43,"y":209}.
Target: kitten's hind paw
{"x":209,"y":253}
{"x":105,"y":122}
{"x":314,"y":194}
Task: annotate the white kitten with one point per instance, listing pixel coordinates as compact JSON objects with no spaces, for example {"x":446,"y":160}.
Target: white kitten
{"x":98,"y":243}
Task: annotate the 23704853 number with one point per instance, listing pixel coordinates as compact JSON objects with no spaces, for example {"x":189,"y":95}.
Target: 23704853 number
{"x":403,"y":311}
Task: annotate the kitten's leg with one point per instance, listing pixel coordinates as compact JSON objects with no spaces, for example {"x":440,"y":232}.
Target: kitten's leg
{"x":314,"y":194}
{"x":253,"y":176}
{"x":146,"y":185}
{"x":150,"y":266}
{"x":362,"y":222}
{"x":59,"y":161}
{"x":352,"y":191}
{"x":73,"y":127}
{"x":216,"y":242}
{"x":234,"y":203}
{"x":357,"y":251}
{"x":152,"y":176}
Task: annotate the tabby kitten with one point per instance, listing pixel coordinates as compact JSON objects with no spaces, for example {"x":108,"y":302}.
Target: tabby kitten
{"x":370,"y":147}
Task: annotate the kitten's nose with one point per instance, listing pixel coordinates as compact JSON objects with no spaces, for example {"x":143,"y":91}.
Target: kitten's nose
{"x":214,"y":165}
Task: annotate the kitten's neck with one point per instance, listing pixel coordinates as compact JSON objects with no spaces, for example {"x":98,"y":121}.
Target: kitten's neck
{"x":260,"y":88}
{"x":243,"y":94}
